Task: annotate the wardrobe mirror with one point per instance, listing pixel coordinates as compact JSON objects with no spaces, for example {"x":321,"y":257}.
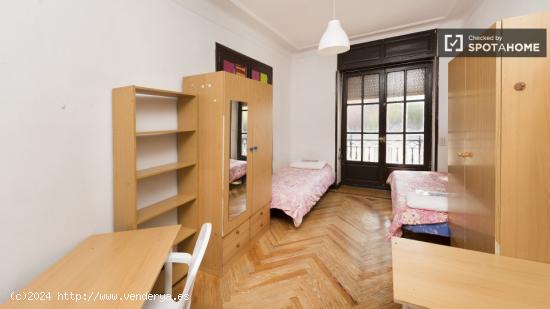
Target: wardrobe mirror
{"x":237,"y":158}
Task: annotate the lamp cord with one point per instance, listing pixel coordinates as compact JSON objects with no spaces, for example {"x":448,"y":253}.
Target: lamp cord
{"x":333,"y":9}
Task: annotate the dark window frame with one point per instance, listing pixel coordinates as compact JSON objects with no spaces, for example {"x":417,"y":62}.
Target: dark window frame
{"x":405,"y":50}
{"x":428,"y":128}
{"x":240,"y":132}
{"x":226,"y":53}
{"x":382,"y":102}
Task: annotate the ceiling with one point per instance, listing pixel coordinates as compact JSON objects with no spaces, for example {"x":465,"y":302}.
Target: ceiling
{"x":300,"y":23}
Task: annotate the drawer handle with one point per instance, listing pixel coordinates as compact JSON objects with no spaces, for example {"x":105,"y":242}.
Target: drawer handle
{"x":261,"y":225}
{"x":238,"y":245}
{"x":237,"y":232}
{"x":261,"y":213}
{"x":465,"y":154}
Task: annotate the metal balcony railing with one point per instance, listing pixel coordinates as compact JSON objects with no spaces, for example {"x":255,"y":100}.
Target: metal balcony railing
{"x":394,"y":151}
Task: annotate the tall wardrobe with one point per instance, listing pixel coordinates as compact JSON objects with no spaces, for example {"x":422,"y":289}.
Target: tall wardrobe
{"x":234,"y":162}
{"x":499,"y":151}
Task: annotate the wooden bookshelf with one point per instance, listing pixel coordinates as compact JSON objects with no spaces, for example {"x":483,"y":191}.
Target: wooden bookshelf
{"x":126,"y":175}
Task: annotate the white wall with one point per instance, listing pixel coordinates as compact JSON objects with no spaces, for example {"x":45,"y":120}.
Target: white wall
{"x":312,"y":106}
{"x":490,"y":11}
{"x":59,"y":61}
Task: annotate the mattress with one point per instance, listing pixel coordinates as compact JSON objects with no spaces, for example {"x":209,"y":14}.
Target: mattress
{"x":297,"y":190}
{"x":401,"y":183}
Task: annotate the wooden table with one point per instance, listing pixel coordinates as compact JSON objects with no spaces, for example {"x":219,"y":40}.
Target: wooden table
{"x":118,"y":265}
{"x":434,"y":276}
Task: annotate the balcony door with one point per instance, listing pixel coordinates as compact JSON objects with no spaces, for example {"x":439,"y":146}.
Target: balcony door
{"x":386,"y":123}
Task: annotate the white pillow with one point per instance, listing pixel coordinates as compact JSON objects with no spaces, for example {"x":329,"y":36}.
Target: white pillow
{"x":436,"y":201}
{"x":309,"y":164}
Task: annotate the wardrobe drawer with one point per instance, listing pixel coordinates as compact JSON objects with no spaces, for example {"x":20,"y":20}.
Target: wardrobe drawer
{"x":258,"y":221}
{"x":236,"y":240}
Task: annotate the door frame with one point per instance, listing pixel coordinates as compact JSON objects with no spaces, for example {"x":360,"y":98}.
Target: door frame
{"x":384,"y":168}
{"x":343,"y":126}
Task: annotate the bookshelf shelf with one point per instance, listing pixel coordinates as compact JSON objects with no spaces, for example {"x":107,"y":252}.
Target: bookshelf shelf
{"x":164,"y":132}
{"x":164,"y":206}
{"x":161,"y":169}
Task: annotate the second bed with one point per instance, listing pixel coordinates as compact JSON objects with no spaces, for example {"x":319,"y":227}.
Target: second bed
{"x":297,"y":190}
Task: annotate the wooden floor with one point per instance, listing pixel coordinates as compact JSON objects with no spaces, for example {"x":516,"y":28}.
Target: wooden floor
{"x":237,"y":200}
{"x":338,"y":258}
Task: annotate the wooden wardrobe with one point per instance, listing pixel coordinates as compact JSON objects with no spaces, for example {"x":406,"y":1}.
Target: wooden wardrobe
{"x":499,"y":151}
{"x":221,"y":95}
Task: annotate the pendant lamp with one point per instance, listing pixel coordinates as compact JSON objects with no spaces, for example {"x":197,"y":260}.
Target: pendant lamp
{"x":334,"y":40}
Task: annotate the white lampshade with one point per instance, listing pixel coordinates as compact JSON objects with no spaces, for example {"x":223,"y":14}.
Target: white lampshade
{"x":334,"y":40}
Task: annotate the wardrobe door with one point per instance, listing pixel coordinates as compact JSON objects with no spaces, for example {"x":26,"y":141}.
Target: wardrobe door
{"x":525,"y":154}
{"x":456,"y":137}
{"x":237,"y":181}
{"x":261,"y":145}
{"x":479,"y":155}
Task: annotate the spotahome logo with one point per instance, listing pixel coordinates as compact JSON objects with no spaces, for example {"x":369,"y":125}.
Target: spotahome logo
{"x":454,"y":42}
{"x":491,"y":42}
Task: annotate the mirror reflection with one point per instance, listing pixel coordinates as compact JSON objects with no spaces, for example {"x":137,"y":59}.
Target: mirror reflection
{"x":237,"y":158}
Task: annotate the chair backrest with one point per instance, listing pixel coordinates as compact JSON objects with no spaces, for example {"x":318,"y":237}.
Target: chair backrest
{"x":196,"y":259}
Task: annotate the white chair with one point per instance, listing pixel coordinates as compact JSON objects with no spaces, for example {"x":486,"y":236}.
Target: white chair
{"x":194,"y":261}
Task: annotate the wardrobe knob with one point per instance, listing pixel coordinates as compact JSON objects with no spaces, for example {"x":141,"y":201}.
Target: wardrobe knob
{"x":465,"y":154}
{"x":520,"y":86}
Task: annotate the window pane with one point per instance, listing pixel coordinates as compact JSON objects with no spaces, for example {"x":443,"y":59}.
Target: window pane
{"x":414,"y":149}
{"x":371,"y":88}
{"x":354,"y":90}
{"x":394,"y":148}
{"x":415,"y":116}
{"x":353,"y":147}
{"x":396,"y":86}
{"x":244,"y":138}
{"x":415,"y":84}
{"x":370,"y":147}
{"x":394,"y":117}
{"x":354,"y":118}
{"x":370,"y":118}
{"x":244,"y":121}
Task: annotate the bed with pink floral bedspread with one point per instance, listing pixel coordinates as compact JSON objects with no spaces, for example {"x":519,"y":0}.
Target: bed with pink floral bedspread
{"x":401,"y":183}
{"x":237,"y":169}
{"x":297,"y":190}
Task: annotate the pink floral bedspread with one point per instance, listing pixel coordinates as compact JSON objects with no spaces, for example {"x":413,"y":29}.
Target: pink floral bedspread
{"x":237,"y":169}
{"x":297,"y":190}
{"x":401,"y":183}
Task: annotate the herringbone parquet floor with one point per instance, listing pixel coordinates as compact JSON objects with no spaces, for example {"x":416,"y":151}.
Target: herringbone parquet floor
{"x":338,"y":258}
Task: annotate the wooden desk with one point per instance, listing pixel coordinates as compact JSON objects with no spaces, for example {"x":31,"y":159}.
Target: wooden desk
{"x":434,"y":276}
{"x":117,"y":264}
